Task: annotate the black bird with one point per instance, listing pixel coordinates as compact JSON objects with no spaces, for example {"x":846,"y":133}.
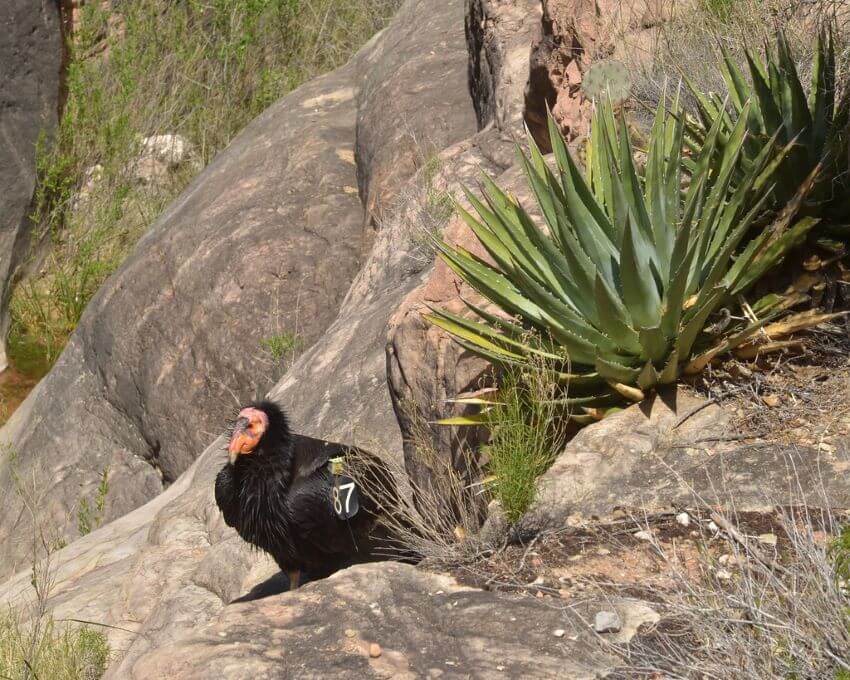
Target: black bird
{"x":277,"y":491}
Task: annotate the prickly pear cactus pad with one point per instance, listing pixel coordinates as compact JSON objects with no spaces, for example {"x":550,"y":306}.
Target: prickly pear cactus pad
{"x":607,"y":77}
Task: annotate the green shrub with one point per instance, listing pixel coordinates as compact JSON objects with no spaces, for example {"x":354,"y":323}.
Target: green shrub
{"x":201,"y":69}
{"x":813,"y":128}
{"x":281,"y":345}
{"x":525,"y":437}
{"x":50,"y":651}
{"x":623,"y":280}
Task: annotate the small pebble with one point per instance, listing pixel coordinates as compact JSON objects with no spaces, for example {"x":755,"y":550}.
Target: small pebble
{"x":725,"y":559}
{"x":374,"y":650}
{"x":771,"y":400}
{"x":559,"y":633}
{"x":643,"y":535}
{"x":607,"y":622}
{"x":350,"y":633}
{"x":723,"y":575}
{"x":713,"y":527}
{"x":603,"y":551}
{"x":684,"y":519}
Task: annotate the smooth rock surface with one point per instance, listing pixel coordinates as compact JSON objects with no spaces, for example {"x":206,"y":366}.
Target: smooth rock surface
{"x":674,"y":451}
{"x":31,"y":55}
{"x":421,"y":625}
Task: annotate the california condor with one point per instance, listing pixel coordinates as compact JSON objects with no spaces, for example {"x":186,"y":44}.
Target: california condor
{"x":277,"y":491}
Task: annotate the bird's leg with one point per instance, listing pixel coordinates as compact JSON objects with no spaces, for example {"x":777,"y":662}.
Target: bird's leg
{"x":294,"y":579}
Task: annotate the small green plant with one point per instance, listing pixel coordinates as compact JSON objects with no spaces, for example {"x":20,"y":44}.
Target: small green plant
{"x":623,"y":281}
{"x":525,"y":437}
{"x":90,"y":516}
{"x":719,"y":9}
{"x":281,"y":345}
{"x":57,"y":652}
{"x":813,"y":130}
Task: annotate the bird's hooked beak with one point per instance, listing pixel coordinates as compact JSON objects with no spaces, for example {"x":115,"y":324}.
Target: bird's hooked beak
{"x":251,"y":425}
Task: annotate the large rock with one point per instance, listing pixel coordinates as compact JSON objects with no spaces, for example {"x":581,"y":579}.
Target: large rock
{"x":388,"y":621}
{"x":30,"y":68}
{"x":677,"y":451}
{"x":266,"y":240}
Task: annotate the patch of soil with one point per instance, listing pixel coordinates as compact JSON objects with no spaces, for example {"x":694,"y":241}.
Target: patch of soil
{"x":14,"y":388}
{"x":638,"y":555}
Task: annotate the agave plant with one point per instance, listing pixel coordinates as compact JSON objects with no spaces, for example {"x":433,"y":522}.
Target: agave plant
{"x":775,"y":106}
{"x":617,"y":289}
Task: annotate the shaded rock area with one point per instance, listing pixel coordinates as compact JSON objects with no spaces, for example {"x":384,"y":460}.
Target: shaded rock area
{"x":30,"y":65}
{"x":266,"y":240}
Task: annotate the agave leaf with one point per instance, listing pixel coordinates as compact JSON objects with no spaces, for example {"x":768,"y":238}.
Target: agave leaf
{"x":576,"y":188}
{"x":648,"y":377}
{"x":735,"y":81}
{"x":754,"y":351}
{"x":638,"y":289}
{"x":614,"y":319}
{"x":613,"y":370}
{"x":799,"y":322}
{"x":699,"y":363}
{"x":769,"y":116}
{"x":794,"y":103}
{"x":476,"y":337}
{"x":671,"y":369}
{"x":629,"y":392}
{"x":655,"y":345}
{"x":482,"y":418}
{"x":820,"y":94}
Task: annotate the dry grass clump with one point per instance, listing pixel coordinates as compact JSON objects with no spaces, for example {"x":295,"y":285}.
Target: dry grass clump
{"x":440,"y":519}
{"x":688,"y":44}
{"x":33,"y":644}
{"x":778,"y":613}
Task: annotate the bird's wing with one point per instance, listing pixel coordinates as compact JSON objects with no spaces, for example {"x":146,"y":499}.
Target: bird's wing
{"x":314,"y":520}
{"x":311,"y":455}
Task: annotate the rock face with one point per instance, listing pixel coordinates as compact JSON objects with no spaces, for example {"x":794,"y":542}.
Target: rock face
{"x":30,"y":66}
{"x":674,"y":451}
{"x":382,"y":621}
{"x":266,"y":240}
{"x":424,"y":365}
